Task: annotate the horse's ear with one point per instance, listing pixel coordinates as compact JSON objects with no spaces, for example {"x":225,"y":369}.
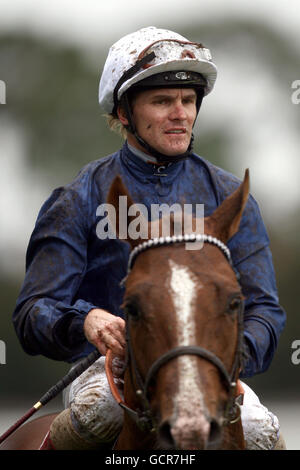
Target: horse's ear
{"x":225,"y":220}
{"x":116,"y":190}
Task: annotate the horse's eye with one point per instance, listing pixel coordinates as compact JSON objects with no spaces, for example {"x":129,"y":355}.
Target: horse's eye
{"x":132,"y":311}
{"x":234,"y":304}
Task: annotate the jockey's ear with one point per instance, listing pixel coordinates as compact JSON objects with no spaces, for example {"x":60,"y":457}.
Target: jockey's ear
{"x":123,"y":214}
{"x":225,"y":220}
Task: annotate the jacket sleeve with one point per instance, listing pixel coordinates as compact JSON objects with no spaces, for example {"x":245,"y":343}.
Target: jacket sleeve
{"x":264,"y":318}
{"x":47,"y":318}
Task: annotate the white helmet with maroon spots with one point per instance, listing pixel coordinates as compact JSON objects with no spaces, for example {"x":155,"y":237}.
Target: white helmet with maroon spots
{"x":148,"y":52}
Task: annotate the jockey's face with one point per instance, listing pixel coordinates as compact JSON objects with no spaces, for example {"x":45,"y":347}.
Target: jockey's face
{"x":164,"y":118}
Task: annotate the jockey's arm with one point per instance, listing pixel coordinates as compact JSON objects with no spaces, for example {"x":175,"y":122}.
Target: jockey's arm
{"x":49,"y":317}
{"x":264,"y":318}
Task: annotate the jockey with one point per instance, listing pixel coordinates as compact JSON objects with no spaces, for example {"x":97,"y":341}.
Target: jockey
{"x":151,"y":88}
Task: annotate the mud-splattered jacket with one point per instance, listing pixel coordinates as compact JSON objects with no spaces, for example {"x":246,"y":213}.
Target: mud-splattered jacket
{"x":69,"y":270}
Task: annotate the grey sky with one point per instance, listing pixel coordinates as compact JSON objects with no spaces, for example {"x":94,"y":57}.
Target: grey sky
{"x":87,"y":21}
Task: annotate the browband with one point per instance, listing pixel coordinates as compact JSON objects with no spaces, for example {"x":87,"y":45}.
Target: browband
{"x":159,"y":241}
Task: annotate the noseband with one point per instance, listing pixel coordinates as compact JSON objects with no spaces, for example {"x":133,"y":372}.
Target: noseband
{"x":143,"y":416}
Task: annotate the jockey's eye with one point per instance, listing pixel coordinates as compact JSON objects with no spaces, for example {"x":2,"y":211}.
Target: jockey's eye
{"x":234,"y":304}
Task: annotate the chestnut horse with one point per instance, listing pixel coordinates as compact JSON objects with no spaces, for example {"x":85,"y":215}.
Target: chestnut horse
{"x":184,"y":317}
{"x":184,"y":312}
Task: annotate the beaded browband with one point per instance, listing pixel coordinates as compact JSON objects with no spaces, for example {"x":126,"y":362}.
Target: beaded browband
{"x":191,"y":237}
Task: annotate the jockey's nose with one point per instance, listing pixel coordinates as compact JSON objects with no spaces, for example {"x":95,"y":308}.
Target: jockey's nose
{"x":178,"y":112}
{"x":190,"y":436}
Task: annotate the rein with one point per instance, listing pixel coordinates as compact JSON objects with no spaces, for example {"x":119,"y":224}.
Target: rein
{"x":143,"y":416}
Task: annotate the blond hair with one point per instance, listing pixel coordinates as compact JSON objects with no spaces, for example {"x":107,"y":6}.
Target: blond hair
{"x":115,"y":125}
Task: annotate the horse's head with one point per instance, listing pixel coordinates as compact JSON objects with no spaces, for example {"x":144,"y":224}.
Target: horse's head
{"x":184,"y":328}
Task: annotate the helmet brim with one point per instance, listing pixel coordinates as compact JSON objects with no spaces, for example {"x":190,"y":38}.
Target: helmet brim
{"x":204,"y":67}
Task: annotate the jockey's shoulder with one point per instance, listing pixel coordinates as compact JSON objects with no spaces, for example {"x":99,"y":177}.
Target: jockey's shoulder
{"x":224,"y":181}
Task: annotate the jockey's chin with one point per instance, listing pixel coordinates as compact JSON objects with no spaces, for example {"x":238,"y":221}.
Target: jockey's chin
{"x":169,"y":144}
{"x":173,"y":144}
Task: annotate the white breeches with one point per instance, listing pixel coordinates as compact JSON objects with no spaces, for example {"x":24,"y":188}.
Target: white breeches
{"x":96,"y":415}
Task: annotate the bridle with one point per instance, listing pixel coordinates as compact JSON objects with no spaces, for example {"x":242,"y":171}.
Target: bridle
{"x":143,"y":416}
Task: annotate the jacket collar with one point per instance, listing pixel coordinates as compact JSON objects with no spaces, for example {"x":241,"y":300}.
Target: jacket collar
{"x":137,"y":163}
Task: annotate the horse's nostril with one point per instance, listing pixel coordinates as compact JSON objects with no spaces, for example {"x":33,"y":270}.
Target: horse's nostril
{"x":165,"y":436}
{"x":214,"y":433}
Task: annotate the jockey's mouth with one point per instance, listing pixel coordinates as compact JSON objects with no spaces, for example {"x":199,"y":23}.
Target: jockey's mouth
{"x":177,"y":130}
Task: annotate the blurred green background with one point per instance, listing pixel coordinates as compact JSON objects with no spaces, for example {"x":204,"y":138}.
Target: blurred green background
{"x":51,"y":125}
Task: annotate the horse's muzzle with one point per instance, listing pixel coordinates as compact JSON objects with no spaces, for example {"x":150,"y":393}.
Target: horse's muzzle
{"x":195,"y":433}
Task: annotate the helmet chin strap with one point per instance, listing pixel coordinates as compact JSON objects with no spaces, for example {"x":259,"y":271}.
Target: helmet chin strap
{"x":162,"y":158}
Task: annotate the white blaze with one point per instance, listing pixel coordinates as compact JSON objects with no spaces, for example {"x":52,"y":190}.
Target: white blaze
{"x":183,"y":287}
